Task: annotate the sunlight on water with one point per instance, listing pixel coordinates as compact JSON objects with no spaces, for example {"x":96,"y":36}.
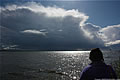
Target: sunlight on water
{"x":70,"y":52}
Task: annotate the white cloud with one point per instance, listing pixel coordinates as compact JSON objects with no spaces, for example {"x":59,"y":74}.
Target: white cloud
{"x":110,"y":34}
{"x":34,"y":32}
{"x":112,"y":43}
{"x":49,"y":11}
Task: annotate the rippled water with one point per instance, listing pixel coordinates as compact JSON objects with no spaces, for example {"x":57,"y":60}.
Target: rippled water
{"x":46,"y":65}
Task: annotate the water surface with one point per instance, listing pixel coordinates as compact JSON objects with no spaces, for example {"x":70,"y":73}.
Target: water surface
{"x":47,"y":65}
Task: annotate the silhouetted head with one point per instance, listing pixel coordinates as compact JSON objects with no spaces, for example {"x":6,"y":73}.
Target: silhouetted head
{"x":96,"y":55}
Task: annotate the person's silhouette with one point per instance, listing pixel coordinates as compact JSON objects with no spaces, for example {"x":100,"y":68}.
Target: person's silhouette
{"x":97,"y":69}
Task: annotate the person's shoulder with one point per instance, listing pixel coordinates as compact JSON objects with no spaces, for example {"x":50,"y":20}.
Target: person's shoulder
{"x":87,"y":68}
{"x":110,"y":67}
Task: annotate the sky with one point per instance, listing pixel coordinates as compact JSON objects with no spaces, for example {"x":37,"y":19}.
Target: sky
{"x":101,"y":12}
{"x":59,"y":25}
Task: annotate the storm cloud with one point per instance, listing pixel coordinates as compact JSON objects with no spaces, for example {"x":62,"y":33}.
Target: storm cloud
{"x":33,"y":25}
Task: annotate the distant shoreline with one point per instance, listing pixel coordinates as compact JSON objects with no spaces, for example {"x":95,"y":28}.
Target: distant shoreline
{"x":38,"y":50}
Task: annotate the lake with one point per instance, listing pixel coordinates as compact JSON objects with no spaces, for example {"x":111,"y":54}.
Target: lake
{"x":47,"y":65}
